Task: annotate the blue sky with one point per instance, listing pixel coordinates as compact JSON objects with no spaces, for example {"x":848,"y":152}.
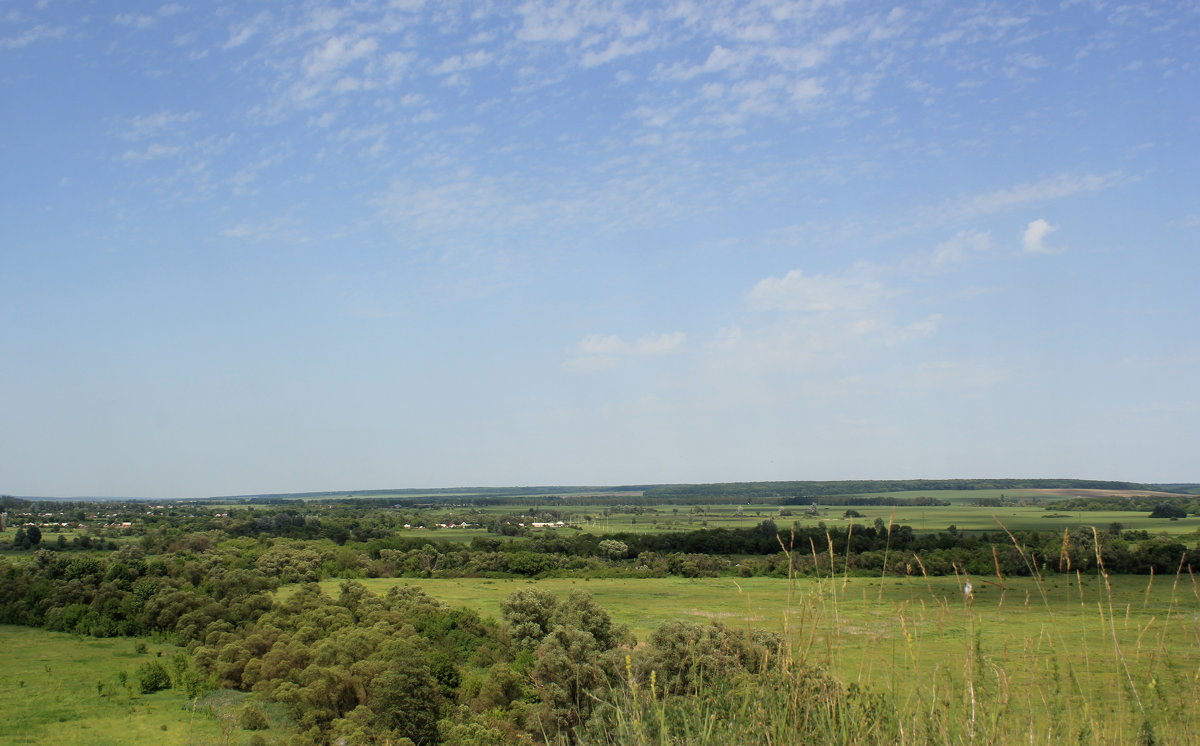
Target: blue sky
{"x":285,"y":246}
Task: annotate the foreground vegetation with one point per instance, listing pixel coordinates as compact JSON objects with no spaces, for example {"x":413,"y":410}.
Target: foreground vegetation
{"x":347,"y":622}
{"x":65,"y":689}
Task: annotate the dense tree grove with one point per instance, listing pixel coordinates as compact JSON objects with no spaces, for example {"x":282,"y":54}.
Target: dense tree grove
{"x":358,"y":668}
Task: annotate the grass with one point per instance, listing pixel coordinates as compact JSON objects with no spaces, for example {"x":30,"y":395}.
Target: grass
{"x":1087,"y":657}
{"x":963,"y":512}
{"x":963,"y":516}
{"x":61,"y":689}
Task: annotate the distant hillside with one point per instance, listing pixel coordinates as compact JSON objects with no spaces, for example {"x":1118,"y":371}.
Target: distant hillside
{"x":787,"y":492}
{"x":806,"y":489}
{"x":1185,"y":487}
{"x":790,"y":492}
{"x":436,"y":494}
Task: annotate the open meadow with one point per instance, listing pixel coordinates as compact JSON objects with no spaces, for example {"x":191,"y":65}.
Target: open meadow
{"x":67,"y":690}
{"x":964,"y":513}
{"x":1110,"y":654}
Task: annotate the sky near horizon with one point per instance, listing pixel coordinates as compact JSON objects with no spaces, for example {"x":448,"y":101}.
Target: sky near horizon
{"x":290,"y":246}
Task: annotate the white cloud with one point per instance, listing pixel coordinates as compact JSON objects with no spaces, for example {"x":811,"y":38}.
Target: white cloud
{"x":572,"y":22}
{"x":611,"y":344}
{"x":662,"y":344}
{"x":158,"y":123}
{"x":950,"y":253}
{"x":1057,"y":187}
{"x":1033,"y":239}
{"x":615,"y":50}
{"x":589,"y":363}
{"x":838,"y":329}
{"x":601,"y":351}
{"x":916,"y":330}
{"x":41,"y":32}
{"x":141,"y":22}
{"x":337,"y":53}
{"x":279,"y":229}
{"x":783,"y":359}
{"x":597,"y":344}
{"x":720,"y":59}
{"x":462,"y":62}
{"x":796,"y":291}
{"x":152,"y":152}
{"x":241,"y":33}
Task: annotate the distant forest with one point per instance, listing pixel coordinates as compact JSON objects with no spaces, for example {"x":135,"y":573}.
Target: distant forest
{"x":843,"y":492}
{"x":806,"y":489}
{"x":801,"y":492}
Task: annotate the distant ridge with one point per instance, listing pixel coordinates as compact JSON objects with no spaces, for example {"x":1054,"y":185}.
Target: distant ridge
{"x":748,"y":489}
{"x":777,"y":490}
{"x":800,"y":489}
{"x":448,"y":492}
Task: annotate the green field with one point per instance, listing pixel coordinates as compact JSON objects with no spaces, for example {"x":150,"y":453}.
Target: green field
{"x":49,"y":693}
{"x":1113,"y":651}
{"x":1104,"y":660}
{"x":62,"y":689}
{"x":964,"y":513}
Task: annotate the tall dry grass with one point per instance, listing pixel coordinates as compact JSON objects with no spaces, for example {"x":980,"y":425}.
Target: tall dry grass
{"x":1069,"y":660}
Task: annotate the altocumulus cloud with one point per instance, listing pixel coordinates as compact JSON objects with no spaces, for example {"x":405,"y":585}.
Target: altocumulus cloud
{"x":797,"y":291}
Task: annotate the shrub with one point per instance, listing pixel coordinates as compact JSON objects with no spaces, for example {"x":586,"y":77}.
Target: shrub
{"x":685,"y":655}
{"x":252,"y":718}
{"x":152,"y":677}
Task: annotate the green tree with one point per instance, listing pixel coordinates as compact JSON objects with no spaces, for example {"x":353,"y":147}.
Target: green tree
{"x":152,"y":677}
{"x":406,"y":700}
{"x":613,"y":549}
{"x":1166,"y":510}
{"x":529,"y":613}
{"x":685,"y":655}
{"x":569,"y":675}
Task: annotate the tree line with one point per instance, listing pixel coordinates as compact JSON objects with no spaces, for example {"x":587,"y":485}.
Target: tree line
{"x":735,"y":491}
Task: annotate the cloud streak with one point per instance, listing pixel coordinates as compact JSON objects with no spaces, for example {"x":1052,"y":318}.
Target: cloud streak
{"x":1045,"y":190}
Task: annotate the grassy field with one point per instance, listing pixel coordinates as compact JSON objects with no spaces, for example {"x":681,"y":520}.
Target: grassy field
{"x":1117,"y":653}
{"x":964,"y":513}
{"x":967,"y":517}
{"x":64,"y":690}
